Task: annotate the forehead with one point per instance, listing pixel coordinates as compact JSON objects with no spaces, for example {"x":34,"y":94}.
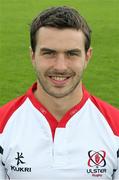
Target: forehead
{"x":60,"y":38}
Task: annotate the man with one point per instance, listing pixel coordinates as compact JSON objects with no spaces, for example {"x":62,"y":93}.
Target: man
{"x":57,"y":130}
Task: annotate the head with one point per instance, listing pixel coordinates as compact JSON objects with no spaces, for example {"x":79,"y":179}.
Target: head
{"x":60,"y":50}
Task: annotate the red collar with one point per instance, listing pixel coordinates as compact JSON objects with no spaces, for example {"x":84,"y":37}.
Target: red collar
{"x":50,"y":118}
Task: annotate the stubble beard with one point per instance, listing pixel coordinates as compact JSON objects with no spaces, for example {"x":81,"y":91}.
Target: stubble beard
{"x":58,"y":95}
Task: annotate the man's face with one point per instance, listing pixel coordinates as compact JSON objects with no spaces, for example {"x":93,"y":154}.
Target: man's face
{"x":59,"y":60}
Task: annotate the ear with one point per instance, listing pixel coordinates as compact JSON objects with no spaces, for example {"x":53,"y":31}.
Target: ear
{"x":32,"y":55}
{"x":88,"y":56}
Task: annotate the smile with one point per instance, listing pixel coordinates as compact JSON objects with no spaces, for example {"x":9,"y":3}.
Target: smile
{"x":58,"y":78}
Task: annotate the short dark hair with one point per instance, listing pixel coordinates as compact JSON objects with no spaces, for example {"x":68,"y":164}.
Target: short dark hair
{"x":60,"y":17}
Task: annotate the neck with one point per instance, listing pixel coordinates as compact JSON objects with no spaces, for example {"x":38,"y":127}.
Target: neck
{"x":59,"y":106}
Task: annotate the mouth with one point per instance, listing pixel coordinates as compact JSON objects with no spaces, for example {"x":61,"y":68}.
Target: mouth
{"x":59,"y":80}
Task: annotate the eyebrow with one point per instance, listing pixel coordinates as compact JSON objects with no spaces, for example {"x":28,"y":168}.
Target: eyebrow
{"x":47,"y":49}
{"x":66,"y":51}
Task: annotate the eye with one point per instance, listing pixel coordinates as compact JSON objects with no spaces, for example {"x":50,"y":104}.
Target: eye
{"x":73,"y":53}
{"x":48,"y":52}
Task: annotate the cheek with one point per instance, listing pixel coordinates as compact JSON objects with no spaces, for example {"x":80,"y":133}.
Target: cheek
{"x":38,"y":62}
{"x":42,"y":62}
{"x":41,"y":67}
{"x":78,"y":67}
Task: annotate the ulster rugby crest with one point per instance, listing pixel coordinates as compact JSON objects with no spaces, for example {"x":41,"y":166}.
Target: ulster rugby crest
{"x":96,"y":162}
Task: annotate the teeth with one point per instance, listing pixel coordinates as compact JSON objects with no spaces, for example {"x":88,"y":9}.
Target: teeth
{"x":58,"y":78}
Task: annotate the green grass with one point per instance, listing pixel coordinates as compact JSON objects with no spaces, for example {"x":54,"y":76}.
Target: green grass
{"x":16,"y":73}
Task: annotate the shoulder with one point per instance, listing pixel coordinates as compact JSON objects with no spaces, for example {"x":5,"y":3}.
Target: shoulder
{"x":110,"y":113}
{"x":11,"y":107}
{"x":8,"y":109}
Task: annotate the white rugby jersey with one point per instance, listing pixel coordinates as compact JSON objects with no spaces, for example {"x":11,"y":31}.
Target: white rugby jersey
{"x":83,"y":145}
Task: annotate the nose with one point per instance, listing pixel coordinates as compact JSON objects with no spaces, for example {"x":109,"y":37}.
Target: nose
{"x":60,"y":62}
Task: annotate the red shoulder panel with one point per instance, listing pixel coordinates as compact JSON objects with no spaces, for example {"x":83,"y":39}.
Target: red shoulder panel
{"x":8,"y":109}
{"x":110,"y":113}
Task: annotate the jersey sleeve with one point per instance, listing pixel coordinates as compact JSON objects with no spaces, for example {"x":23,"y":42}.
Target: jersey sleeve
{"x":111,"y":114}
{"x":6,"y":112}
